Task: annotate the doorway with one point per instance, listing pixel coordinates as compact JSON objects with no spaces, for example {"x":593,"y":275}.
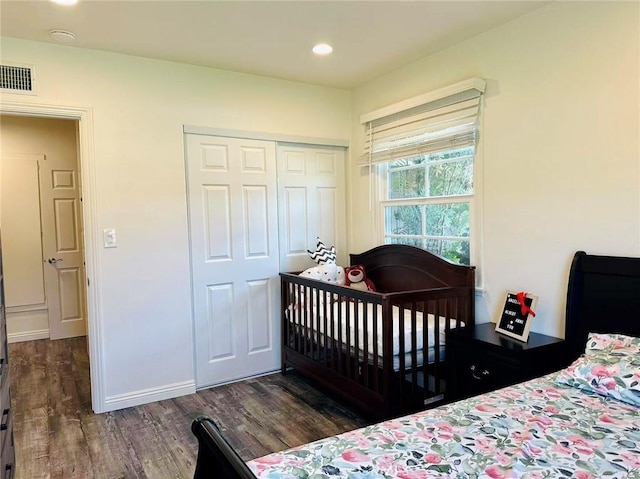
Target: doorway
{"x":84,"y":117}
{"x":42,"y":229}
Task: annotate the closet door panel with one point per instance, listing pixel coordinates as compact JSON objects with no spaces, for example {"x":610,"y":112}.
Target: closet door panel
{"x":312,"y":199}
{"x":233,"y":222}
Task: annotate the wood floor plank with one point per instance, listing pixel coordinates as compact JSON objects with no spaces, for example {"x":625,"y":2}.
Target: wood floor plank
{"x":31,"y":443}
{"x":68,"y":449}
{"x":28,"y":371}
{"x":153,"y":452}
{"x":58,"y":436}
{"x":110,"y":457}
{"x":63,"y":396}
{"x":168,"y":423}
{"x":80,"y":367}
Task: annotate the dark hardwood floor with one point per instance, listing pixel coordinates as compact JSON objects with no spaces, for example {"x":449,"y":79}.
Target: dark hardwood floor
{"x":57,"y":435}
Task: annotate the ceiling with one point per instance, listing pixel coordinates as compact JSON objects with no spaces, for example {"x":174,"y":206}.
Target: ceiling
{"x":269,"y":38}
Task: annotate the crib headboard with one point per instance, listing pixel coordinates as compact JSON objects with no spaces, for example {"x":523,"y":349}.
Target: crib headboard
{"x":395,"y":268}
{"x":603,"y":296}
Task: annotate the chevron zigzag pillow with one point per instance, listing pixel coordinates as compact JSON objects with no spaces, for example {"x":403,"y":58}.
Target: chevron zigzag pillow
{"x":322,"y":254}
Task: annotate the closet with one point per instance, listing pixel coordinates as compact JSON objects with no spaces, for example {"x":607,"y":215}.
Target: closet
{"x":255,"y":207}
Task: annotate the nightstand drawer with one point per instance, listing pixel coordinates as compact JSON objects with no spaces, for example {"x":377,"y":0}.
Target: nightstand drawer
{"x":483,"y":360}
{"x":476,"y":374}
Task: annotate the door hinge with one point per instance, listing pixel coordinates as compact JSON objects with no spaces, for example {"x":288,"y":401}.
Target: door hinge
{"x":88,"y":282}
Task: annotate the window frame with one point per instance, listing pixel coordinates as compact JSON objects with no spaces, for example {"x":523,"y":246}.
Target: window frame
{"x":475,"y":200}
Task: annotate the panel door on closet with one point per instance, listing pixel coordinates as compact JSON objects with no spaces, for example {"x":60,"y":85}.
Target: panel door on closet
{"x":250,"y":217}
{"x":233,"y":224}
{"x":311,"y":201}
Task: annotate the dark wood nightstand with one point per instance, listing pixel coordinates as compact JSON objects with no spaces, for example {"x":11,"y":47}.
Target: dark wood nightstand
{"x":483,"y":360}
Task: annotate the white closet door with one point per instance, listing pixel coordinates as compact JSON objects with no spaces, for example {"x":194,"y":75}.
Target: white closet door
{"x":234,"y":256}
{"x":312,"y":201}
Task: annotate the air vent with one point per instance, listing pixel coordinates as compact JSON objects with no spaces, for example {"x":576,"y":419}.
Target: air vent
{"x":17,"y":78}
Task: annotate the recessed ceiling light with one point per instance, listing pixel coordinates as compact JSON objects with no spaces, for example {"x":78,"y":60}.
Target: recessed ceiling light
{"x":65,"y":2}
{"x":322,"y":49}
{"x":62,"y":36}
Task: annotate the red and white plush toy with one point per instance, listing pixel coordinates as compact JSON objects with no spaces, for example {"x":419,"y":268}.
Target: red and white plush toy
{"x":355,"y":277}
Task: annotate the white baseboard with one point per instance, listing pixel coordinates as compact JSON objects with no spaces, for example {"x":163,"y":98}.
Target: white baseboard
{"x":28,"y":336}
{"x":144,"y":396}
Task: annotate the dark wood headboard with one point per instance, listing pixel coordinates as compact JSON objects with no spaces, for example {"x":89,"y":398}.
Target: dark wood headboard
{"x":394,"y":268}
{"x":603,"y":296}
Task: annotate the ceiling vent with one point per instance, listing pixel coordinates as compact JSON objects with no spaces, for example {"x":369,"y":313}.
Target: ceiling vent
{"x":16,"y":78}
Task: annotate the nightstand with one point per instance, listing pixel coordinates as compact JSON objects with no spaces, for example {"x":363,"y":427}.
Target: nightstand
{"x":482,"y":360}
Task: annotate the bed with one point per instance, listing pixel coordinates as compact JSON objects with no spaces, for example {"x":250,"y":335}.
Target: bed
{"x":382,"y":352}
{"x":580,"y":422}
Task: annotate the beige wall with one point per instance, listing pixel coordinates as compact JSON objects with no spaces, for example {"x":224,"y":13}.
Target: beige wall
{"x":22,"y":252}
{"x":139,"y":107}
{"x":560,"y":144}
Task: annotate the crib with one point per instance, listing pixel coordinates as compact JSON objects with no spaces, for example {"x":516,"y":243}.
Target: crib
{"x":382,"y":352}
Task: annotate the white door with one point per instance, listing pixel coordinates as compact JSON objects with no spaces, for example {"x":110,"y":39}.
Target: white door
{"x":312,"y":202}
{"x":233,"y":216}
{"x":42,"y":242}
{"x":62,"y":248}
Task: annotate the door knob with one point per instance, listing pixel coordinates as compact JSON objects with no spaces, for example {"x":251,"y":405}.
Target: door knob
{"x":54,"y":260}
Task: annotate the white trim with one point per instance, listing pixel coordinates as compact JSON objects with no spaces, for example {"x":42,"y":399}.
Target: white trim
{"x":84,"y":115}
{"x":144,"y":396}
{"x":28,"y":336}
{"x":277,"y":137}
{"x":477,"y":228}
{"x":470,"y":84}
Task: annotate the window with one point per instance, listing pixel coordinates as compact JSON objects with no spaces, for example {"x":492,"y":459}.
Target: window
{"x":427,"y":203}
{"x":426,"y":155}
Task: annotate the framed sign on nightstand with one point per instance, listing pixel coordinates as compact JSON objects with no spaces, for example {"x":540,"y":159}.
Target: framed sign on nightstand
{"x":517,"y":315}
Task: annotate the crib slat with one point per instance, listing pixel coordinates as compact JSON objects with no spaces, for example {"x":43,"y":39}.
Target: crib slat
{"x":356,"y":349}
{"x":340,"y":342}
{"x":436,"y":346}
{"x":376,"y":366}
{"x":414,"y":346}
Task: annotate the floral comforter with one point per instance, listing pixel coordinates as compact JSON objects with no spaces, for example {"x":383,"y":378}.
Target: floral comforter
{"x":537,"y":429}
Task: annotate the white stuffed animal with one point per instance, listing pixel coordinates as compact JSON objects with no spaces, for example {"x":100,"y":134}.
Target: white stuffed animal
{"x":328,"y":272}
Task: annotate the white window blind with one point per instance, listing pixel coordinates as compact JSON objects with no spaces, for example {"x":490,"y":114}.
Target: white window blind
{"x":437,"y":121}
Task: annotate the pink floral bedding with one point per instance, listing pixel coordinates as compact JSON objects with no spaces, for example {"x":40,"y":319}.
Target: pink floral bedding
{"x":538,"y":429}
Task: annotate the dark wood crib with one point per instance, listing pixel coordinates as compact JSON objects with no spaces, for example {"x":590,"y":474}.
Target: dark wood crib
{"x":382,"y":352}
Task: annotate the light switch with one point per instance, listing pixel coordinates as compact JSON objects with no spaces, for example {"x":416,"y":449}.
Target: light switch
{"x":109,"y":235}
